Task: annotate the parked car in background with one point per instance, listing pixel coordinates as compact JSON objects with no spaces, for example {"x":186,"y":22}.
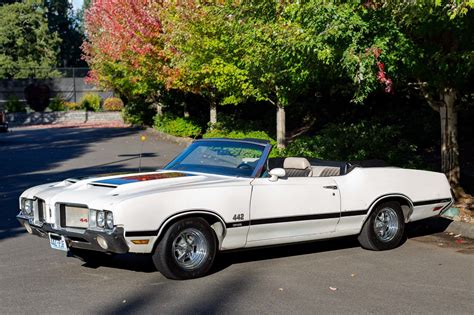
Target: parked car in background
{"x":3,"y":120}
{"x":224,"y":194}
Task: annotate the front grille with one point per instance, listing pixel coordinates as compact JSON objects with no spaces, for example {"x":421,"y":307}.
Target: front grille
{"x":41,"y":206}
{"x":75,"y":216}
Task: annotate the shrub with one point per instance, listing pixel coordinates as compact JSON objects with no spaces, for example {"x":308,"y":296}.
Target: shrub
{"x":14,"y":105}
{"x":37,"y":96}
{"x":358,"y":141}
{"x":113,"y":104}
{"x":90,"y":102}
{"x":230,"y":126}
{"x":243,"y":134}
{"x":138,"y":113}
{"x":177,"y":126}
{"x":57,"y":104}
{"x":72,"y":106}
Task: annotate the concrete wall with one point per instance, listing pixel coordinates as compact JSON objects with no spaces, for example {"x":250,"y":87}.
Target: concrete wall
{"x":36,"y":118}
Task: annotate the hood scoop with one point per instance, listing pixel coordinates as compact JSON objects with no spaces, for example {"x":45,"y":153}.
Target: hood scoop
{"x":118,"y":181}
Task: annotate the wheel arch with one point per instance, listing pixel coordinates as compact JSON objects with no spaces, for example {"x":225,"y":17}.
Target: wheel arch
{"x":405,"y":203}
{"x":215,"y":221}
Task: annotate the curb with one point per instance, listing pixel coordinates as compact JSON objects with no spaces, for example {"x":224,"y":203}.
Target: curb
{"x":178,"y":140}
{"x":465,"y":229}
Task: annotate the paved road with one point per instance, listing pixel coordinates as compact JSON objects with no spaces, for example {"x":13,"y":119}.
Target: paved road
{"x":430,"y":273}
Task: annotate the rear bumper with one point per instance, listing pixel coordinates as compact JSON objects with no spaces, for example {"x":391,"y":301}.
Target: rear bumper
{"x":83,"y":240}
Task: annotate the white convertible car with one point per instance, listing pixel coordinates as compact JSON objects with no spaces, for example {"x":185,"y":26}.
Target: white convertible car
{"x":223,"y":194}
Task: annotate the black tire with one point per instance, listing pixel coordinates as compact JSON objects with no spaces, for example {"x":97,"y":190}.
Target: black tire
{"x":197,"y":237}
{"x":393,"y":235}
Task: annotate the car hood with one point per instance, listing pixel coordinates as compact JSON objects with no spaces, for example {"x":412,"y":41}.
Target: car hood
{"x":107,"y":190}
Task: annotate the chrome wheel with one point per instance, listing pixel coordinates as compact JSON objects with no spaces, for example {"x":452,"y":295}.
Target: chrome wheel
{"x":386,"y":224}
{"x":190,"y":248}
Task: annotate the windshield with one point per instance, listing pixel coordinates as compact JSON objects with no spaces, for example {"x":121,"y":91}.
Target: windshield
{"x":219,"y":157}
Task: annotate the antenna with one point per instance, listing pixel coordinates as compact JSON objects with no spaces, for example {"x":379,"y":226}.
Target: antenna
{"x":142,"y":138}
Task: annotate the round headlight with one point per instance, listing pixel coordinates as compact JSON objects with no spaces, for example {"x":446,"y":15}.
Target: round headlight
{"x":28,"y":206}
{"x":100,"y":219}
{"x":110,"y":220}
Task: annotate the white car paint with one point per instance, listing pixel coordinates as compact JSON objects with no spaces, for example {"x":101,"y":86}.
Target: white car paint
{"x":269,"y":212}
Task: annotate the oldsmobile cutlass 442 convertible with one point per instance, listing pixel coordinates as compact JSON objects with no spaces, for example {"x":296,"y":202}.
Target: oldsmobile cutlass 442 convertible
{"x":224,"y":194}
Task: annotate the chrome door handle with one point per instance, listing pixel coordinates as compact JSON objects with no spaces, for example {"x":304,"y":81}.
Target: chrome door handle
{"x":330,"y":187}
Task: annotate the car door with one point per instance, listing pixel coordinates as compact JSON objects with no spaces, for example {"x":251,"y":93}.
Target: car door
{"x":294,"y":207}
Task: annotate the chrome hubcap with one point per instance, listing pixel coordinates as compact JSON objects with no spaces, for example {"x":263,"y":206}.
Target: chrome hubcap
{"x":190,"y":248}
{"x":386,"y":224}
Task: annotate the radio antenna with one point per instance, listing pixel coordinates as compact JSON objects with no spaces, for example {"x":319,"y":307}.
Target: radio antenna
{"x":142,"y":139}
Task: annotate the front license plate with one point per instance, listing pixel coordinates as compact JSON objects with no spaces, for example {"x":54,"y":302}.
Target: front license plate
{"x":57,"y":242}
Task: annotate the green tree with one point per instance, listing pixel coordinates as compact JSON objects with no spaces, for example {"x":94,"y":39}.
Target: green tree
{"x":209,"y":46}
{"x":27,"y":47}
{"x":244,"y":51}
{"x":61,"y":20}
{"x":399,"y":46}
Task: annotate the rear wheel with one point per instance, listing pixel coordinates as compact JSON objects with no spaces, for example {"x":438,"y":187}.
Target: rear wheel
{"x":384,"y":228}
{"x":187,"y":249}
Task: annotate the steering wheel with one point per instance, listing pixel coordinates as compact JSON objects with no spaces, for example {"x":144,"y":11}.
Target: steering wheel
{"x":245,"y":166}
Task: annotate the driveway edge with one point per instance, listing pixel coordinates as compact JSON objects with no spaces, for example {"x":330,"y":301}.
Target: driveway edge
{"x":178,"y":140}
{"x":465,"y":229}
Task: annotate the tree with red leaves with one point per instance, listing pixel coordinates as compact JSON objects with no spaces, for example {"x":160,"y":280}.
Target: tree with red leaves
{"x":125,"y":47}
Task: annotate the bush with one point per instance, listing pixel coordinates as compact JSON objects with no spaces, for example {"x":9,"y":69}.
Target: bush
{"x":72,"y":106}
{"x":238,"y":134}
{"x":138,"y":113}
{"x":57,"y":104}
{"x":113,"y":104}
{"x":359,"y":141}
{"x":91,"y":102}
{"x":14,"y":105}
{"x":231,"y":127}
{"x":37,"y":96}
{"x":177,"y":126}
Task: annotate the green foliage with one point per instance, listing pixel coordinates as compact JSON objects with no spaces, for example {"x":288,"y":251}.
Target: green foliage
{"x":230,"y":127}
{"x":138,"y":113}
{"x":238,"y":134}
{"x":177,"y":126}
{"x":90,"y":102}
{"x":57,"y":104}
{"x":113,"y":104}
{"x":14,"y":105}
{"x":72,"y":106}
{"x":27,"y":47}
{"x":61,"y":21}
{"x":358,"y":141}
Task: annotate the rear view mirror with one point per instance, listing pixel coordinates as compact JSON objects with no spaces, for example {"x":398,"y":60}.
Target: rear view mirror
{"x":276,"y":173}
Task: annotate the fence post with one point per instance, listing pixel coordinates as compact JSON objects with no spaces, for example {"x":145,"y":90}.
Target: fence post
{"x":74,"y":83}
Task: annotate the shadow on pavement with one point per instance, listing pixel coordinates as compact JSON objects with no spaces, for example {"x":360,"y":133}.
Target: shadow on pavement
{"x":427,"y":227}
{"x":144,"y":263}
{"x":28,"y":156}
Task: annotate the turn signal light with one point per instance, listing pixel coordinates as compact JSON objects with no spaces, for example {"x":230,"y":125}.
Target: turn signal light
{"x":140,"y":242}
{"x":437,"y":208}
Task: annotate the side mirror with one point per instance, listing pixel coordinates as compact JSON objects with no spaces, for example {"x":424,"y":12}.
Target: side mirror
{"x":276,"y":173}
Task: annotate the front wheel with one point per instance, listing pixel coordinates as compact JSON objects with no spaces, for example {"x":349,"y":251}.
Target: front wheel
{"x":187,"y":250}
{"x":384,"y":228}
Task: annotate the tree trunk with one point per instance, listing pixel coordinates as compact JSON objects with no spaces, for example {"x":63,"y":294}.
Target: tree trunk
{"x":449,"y":138}
{"x":281,"y":127}
{"x":185,"y":110}
{"x":159,"y":108}
{"x":213,"y":113}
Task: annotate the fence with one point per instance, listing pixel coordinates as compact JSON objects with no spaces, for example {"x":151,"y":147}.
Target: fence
{"x":67,"y":83}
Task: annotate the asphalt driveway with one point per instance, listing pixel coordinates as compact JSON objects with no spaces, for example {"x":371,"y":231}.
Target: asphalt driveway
{"x":431,"y":273}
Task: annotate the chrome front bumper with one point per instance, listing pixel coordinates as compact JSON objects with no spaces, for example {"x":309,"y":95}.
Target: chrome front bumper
{"x":82,"y":240}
